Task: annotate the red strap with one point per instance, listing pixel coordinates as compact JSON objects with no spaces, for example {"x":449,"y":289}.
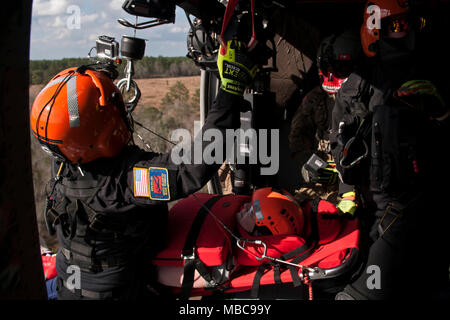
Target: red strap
{"x":253,"y":38}
{"x":226,"y":20}
{"x":231,"y":6}
{"x":326,"y":207}
{"x":307,"y":281}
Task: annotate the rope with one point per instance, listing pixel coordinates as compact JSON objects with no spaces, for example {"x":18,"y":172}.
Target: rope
{"x":308,"y":282}
{"x":153,"y":132}
{"x":220,"y":170}
{"x":145,"y":143}
{"x":231,"y":233}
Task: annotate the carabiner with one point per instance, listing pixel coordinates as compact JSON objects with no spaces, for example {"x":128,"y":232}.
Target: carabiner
{"x":265,"y":256}
{"x":346,"y":152}
{"x":257,"y":242}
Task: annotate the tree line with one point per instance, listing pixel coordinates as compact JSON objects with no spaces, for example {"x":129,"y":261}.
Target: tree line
{"x":179,"y":108}
{"x":41,"y":71}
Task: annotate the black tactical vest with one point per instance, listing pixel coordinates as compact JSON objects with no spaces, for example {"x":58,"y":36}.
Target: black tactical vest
{"x":97,"y":226}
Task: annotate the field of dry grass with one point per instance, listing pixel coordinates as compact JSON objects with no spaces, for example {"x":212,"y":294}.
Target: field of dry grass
{"x":153,"y":90}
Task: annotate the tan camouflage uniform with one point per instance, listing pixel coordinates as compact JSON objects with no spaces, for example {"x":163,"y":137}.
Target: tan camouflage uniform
{"x":225,"y":178}
{"x":308,"y":135}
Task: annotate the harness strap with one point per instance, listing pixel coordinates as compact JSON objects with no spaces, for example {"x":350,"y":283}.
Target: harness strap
{"x":304,"y":251}
{"x":89,"y":294}
{"x":294,"y":270}
{"x":257,"y":279}
{"x":313,"y":239}
{"x":300,"y":250}
{"x":277,"y":274}
{"x":85,"y":187}
{"x":191,"y":261}
{"x":100,"y":222}
{"x":299,"y":254}
{"x":90,"y":265}
{"x":81,"y":255}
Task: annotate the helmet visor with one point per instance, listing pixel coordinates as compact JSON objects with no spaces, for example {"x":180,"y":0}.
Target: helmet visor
{"x":340,"y":68}
{"x":395,"y":27}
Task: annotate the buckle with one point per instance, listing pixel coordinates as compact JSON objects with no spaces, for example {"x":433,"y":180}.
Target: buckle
{"x":101,"y":222}
{"x":395,"y":210}
{"x":66,"y":253}
{"x":188,"y":254}
{"x":97,"y":224}
{"x":356,"y":159}
{"x":51,"y":220}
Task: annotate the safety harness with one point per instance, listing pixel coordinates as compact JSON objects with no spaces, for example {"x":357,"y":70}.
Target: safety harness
{"x":212,"y":276}
{"x":290,"y":260}
{"x":82,"y":226}
{"x":83,"y":231}
{"x":216,"y":279}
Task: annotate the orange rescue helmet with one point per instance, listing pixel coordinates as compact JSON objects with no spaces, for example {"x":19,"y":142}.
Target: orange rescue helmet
{"x":277,"y":211}
{"x":80,"y":116}
{"x":382,"y":18}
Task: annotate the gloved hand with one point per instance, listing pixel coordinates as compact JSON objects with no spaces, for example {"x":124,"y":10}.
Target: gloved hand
{"x":347,"y":206}
{"x":329,"y":175}
{"x":235,"y":68}
{"x":423,"y":96}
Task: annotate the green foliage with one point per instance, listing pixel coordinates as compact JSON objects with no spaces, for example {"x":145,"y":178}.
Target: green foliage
{"x":152,"y":113}
{"x":41,"y":71}
{"x":178,"y":92}
{"x":195,"y":100}
{"x":178,"y":110}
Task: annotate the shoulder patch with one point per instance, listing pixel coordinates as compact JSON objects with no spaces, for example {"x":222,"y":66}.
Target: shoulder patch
{"x":159,"y":183}
{"x":141,"y":182}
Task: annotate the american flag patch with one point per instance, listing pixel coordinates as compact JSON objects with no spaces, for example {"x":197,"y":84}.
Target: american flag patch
{"x":140,"y":177}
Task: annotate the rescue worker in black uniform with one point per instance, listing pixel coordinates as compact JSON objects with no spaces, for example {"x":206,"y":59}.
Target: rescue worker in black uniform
{"x":108,"y":198}
{"x":387,"y":126}
{"x":337,"y":57}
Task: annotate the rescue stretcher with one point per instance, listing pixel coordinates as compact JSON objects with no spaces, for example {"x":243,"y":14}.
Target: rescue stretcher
{"x":209,"y":254}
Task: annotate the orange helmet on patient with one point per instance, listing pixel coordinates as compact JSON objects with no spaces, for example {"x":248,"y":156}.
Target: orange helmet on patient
{"x":276,"y":212}
{"x":79,"y":116}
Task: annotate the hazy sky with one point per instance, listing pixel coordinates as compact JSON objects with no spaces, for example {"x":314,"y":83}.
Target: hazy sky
{"x":56,"y":33}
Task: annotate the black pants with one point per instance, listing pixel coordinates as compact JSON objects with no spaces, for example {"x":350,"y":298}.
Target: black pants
{"x":66,"y":294}
{"x":135,"y":282}
{"x":409,"y":255}
{"x":136,"y":292}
